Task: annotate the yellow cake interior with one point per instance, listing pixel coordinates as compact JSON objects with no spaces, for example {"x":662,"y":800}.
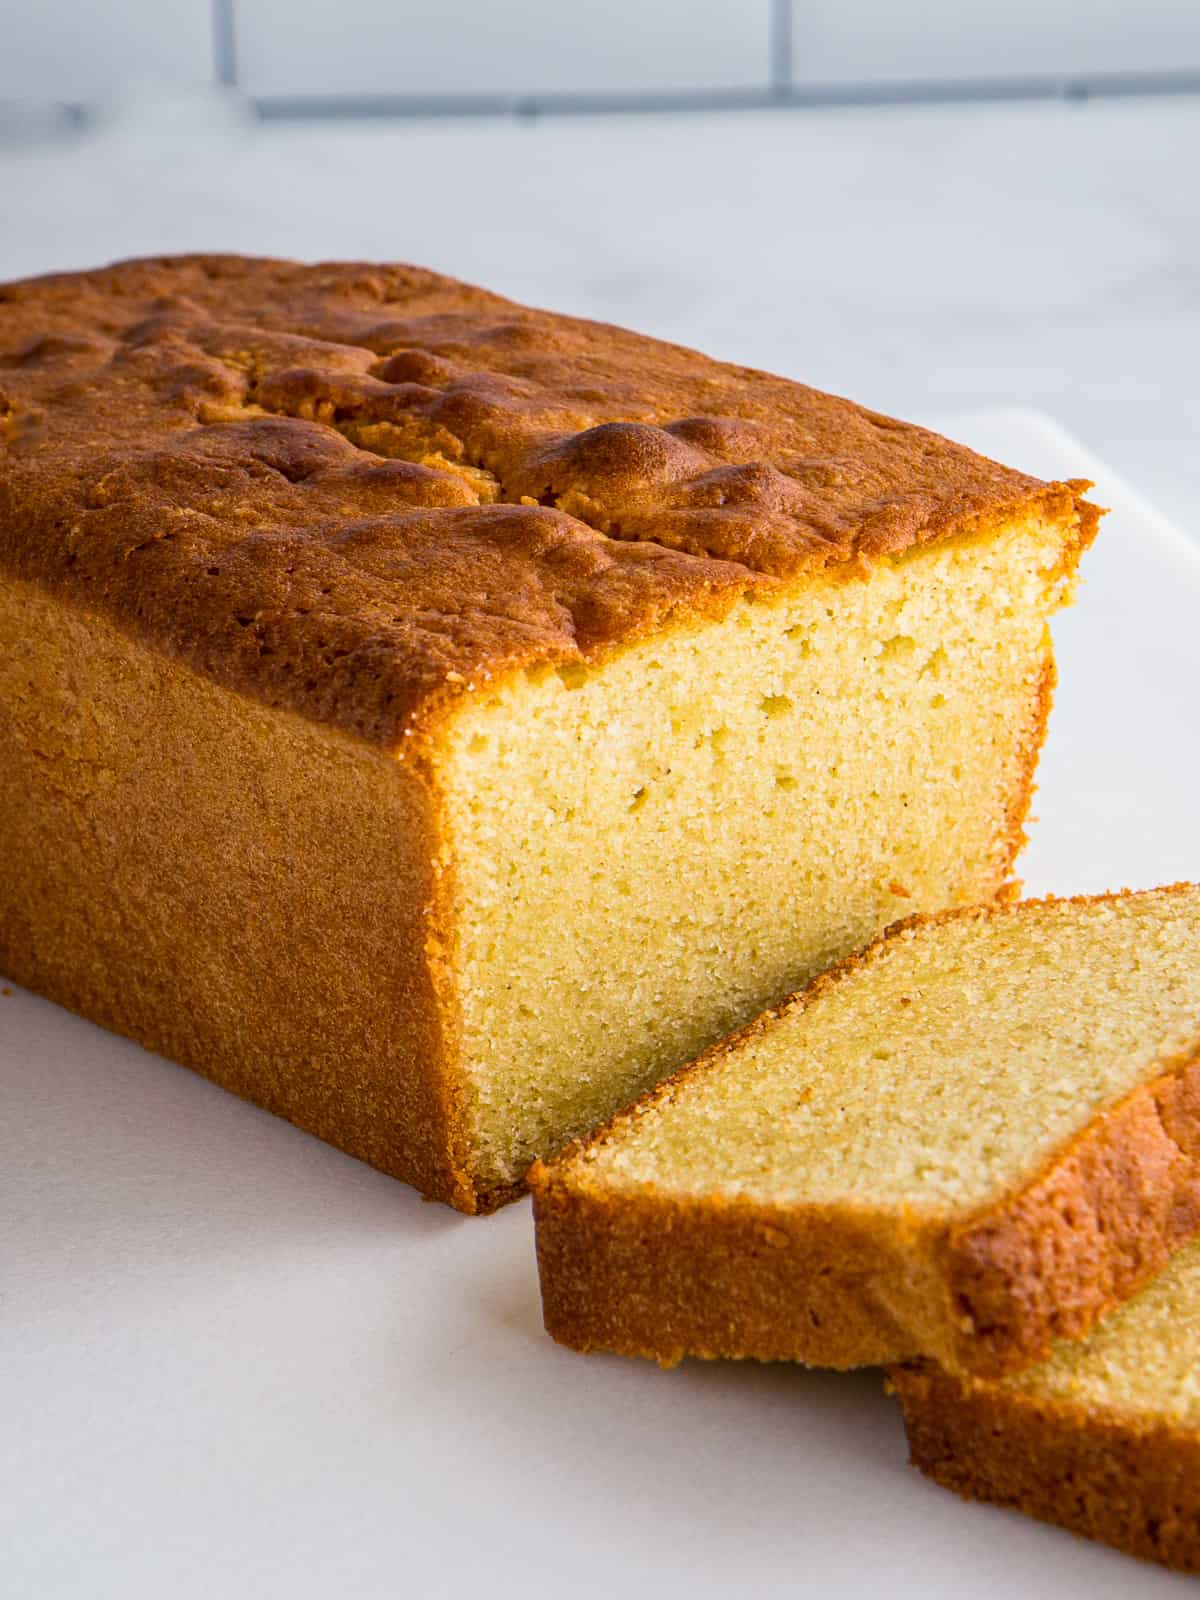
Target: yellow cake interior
{"x":648,"y":851}
{"x":944,"y":1071}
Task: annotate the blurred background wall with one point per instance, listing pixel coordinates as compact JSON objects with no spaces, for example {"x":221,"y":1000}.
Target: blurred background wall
{"x":306,"y":55}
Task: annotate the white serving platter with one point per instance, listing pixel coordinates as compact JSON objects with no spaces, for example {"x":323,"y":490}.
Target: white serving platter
{"x":234,"y":1362}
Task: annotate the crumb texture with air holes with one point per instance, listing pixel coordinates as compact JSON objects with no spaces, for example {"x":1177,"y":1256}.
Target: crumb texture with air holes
{"x":651,"y":852}
{"x":945,"y":1070}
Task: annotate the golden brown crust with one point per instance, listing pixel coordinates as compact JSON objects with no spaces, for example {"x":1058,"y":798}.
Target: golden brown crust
{"x":356,"y":491}
{"x":667,"y":1276}
{"x":648,"y":1272}
{"x":1129,"y":1483}
{"x":170,"y":856}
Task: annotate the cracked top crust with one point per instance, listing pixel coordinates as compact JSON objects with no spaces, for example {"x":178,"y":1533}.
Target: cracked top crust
{"x":357,"y":491}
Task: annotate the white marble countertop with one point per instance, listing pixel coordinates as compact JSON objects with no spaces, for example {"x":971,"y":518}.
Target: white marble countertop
{"x":919,"y":259}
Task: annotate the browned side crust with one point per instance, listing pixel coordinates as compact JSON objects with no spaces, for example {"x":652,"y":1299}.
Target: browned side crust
{"x":1125,"y":1482}
{"x":175,"y":859}
{"x":1008,"y":888}
{"x":654,"y":1274}
{"x":359,"y":491}
{"x":651,"y":1275}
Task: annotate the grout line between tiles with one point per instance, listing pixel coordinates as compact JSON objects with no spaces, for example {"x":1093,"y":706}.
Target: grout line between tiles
{"x":224,"y":43}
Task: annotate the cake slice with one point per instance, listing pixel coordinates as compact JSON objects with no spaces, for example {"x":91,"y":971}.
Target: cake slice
{"x":973,"y":1139}
{"x":1103,"y":1438}
{"x":436,"y":719}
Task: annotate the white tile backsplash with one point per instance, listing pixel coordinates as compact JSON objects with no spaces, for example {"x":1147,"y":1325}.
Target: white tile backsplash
{"x":886,"y":41}
{"x":102,"y":49}
{"x":545,"y":49}
{"x":501,"y":47}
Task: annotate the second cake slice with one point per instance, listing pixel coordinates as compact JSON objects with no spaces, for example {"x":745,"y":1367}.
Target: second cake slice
{"x":968,"y":1142}
{"x":1103,"y":1439}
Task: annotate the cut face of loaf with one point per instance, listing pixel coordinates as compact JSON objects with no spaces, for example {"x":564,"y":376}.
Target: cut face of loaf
{"x":1103,"y":1438}
{"x":647,"y":853}
{"x":974,"y":1139}
{"x":435,"y":719}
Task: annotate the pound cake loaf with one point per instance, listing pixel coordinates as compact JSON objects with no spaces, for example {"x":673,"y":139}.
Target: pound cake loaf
{"x":972,"y":1140}
{"x":1103,"y":1438}
{"x":435,"y":719}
